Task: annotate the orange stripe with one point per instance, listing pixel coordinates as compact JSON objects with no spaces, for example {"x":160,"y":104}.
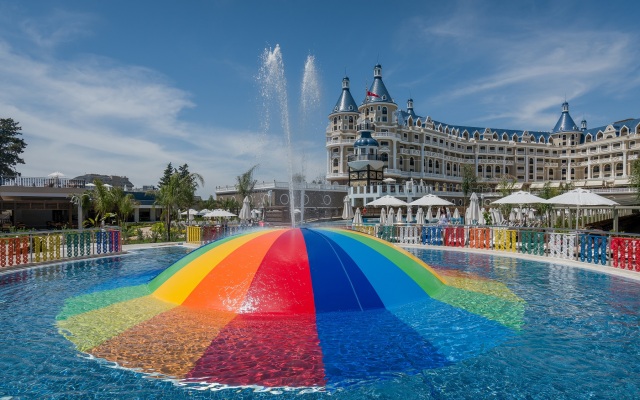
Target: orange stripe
{"x":169,"y":343}
{"x":226,"y":286}
{"x":183,"y":282}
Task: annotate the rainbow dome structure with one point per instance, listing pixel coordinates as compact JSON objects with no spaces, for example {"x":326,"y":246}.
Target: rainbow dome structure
{"x":296,"y":307}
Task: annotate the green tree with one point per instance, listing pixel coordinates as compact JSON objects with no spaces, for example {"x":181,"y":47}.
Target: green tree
{"x":245,"y":182}
{"x":506,"y":184}
{"x":178,"y":192}
{"x":166,"y":175}
{"x":11,"y":146}
{"x":124,"y":204}
{"x":634,"y":177}
{"x":469,"y":181}
{"x":103,"y":201}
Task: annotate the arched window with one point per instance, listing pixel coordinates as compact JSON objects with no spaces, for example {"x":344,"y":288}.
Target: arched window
{"x":505,"y":137}
{"x":476,"y":136}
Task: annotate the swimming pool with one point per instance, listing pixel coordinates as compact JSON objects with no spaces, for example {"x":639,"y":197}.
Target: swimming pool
{"x":580,"y":337}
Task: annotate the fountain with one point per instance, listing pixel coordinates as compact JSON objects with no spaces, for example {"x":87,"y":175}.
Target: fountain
{"x":274,"y":92}
{"x":292,"y":307}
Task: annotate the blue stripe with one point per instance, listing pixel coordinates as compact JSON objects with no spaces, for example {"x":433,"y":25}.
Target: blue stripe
{"x":373,"y":344}
{"x":338,"y":284}
{"x":392,"y":285}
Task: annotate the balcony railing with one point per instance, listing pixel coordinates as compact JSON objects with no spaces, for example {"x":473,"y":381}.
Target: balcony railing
{"x":41,"y":182}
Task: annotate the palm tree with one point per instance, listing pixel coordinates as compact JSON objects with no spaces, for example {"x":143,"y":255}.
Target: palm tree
{"x":103,"y":201}
{"x":124,"y":205}
{"x":246,"y":183}
{"x":178,"y":192}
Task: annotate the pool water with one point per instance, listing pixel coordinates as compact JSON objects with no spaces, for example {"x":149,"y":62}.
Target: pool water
{"x":580,"y":338}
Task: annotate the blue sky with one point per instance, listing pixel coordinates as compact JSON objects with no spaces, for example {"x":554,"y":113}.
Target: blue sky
{"x":125,"y":87}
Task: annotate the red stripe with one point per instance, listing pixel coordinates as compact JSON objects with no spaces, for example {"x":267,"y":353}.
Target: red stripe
{"x":282,"y":283}
{"x":273,"y":351}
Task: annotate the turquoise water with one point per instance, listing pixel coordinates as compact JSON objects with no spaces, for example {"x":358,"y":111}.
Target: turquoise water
{"x":581,"y":338}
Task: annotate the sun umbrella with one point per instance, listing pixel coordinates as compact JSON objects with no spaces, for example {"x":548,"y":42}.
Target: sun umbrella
{"x":399,"y":216}
{"x":218,"y":212}
{"x":203,"y":212}
{"x":357,"y":217}
{"x":245,"y":211}
{"x":390,"y":217}
{"x":429,"y":214}
{"x":291,"y":307}
{"x":456,"y":214}
{"x":56,"y":174}
{"x":420,"y":216}
{"x":347,"y":211}
{"x":383,"y":217}
{"x":387,"y":201}
{"x":519,"y":198}
{"x":91,"y":185}
{"x":431,"y":200}
{"x":190,"y":211}
{"x":409,"y":215}
{"x":438,"y":214}
{"x":580,"y":197}
{"x":474,"y":209}
{"x":512,"y":216}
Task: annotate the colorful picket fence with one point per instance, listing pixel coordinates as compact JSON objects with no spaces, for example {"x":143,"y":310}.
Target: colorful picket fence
{"x":40,"y":247}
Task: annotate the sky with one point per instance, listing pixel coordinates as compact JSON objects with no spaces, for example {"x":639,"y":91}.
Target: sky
{"x":126,"y":87}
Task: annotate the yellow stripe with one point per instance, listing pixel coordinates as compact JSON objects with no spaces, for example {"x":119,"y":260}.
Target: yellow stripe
{"x":90,"y":329}
{"x":177,"y":288}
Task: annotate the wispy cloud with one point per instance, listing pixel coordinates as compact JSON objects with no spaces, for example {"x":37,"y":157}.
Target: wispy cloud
{"x":517,"y":69}
{"x":93,"y":115}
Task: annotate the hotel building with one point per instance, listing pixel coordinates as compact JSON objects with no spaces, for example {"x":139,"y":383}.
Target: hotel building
{"x":424,"y":155}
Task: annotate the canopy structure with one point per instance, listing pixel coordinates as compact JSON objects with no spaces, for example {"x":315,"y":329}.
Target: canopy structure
{"x":581,"y":197}
{"x":431,"y":200}
{"x":218,"y":212}
{"x":387,"y":201}
{"x":519,"y":198}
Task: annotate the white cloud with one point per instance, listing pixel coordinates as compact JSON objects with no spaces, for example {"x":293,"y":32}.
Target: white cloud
{"x":92,"y":115}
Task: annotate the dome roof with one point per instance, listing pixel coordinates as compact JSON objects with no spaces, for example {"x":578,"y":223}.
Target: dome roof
{"x":365,"y":140}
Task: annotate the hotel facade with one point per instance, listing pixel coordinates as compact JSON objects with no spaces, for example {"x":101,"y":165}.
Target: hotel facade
{"x":425,"y":155}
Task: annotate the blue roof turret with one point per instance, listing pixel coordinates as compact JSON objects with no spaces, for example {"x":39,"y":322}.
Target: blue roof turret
{"x":378,"y":91}
{"x":565,"y":123}
{"x":345,"y":103}
{"x":365,"y":140}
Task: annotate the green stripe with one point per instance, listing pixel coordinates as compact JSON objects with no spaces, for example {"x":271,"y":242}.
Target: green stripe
{"x":427,"y":280}
{"x":92,"y":301}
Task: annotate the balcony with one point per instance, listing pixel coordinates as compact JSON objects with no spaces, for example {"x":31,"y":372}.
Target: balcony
{"x":41,"y":182}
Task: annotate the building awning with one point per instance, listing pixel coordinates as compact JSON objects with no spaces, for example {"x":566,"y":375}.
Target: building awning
{"x":555,"y":184}
{"x":623,"y":181}
{"x":517,"y":185}
{"x":594,"y":183}
{"x":579,"y":183}
{"x":537,"y":185}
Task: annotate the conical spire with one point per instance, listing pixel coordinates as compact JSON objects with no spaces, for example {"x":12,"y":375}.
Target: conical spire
{"x":378,"y":91}
{"x":565,"y":123}
{"x":345,"y":102}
